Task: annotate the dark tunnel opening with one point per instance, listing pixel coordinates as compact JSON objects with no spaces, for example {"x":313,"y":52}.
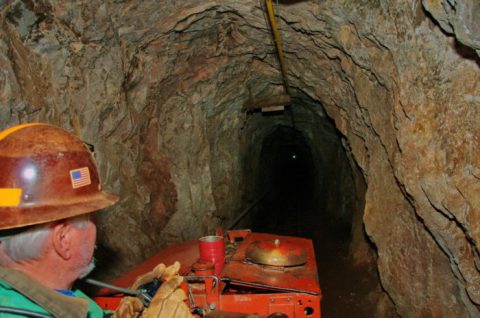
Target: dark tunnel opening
{"x":311,"y":188}
{"x":306,"y":177}
{"x":288,"y":174}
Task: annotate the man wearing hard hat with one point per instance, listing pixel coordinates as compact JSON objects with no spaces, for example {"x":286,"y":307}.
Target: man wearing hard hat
{"x":49,"y":191}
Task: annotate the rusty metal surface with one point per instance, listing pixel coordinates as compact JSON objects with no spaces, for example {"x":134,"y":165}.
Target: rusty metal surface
{"x":242,"y":288}
{"x":301,"y":278}
{"x":223,"y":314}
{"x":294,"y":305}
{"x":276,"y":252}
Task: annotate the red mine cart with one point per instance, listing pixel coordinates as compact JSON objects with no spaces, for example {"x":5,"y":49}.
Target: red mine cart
{"x":263,"y":274}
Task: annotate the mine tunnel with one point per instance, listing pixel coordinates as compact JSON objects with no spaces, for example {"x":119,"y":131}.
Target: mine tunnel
{"x":307,"y":188}
{"x":374,"y":157}
{"x":287,"y":175}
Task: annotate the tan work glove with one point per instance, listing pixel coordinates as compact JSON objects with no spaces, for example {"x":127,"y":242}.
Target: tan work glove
{"x":129,"y":307}
{"x":160,"y":271}
{"x":169,"y":301}
{"x":132,"y":307}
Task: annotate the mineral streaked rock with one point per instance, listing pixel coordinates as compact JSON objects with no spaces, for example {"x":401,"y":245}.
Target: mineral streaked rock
{"x":461,"y":18}
{"x":159,"y":91}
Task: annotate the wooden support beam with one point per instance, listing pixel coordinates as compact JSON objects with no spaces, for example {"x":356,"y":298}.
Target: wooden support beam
{"x":266,"y":102}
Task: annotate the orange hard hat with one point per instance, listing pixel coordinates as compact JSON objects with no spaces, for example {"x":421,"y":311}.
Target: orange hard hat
{"x":46,"y":174}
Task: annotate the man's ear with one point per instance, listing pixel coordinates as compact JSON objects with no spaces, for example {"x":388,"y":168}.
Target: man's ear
{"x":62,"y":240}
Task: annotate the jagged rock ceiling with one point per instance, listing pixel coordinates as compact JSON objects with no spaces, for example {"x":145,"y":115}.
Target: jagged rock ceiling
{"x":158,"y":87}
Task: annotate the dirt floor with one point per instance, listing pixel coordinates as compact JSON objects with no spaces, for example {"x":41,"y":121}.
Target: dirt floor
{"x":349,"y":290}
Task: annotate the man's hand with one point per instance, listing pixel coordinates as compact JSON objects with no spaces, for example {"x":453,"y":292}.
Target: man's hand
{"x":160,"y":271}
{"x":168,"y":301}
{"x":130,"y":307}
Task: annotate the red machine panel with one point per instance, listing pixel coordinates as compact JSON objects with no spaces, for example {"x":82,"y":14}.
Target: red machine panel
{"x":264,"y":274}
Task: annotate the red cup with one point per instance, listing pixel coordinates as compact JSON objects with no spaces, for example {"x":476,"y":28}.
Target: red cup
{"x":212,"y":248}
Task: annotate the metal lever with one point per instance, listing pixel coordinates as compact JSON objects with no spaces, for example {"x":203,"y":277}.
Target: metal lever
{"x":142,"y":293}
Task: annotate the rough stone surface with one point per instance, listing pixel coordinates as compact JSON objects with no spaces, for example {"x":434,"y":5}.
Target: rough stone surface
{"x":159,"y":88}
{"x":461,"y":18}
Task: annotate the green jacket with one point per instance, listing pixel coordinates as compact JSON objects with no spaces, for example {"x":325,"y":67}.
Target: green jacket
{"x":18,"y":290}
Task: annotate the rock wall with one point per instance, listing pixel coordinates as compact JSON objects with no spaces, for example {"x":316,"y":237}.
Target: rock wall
{"x":391,"y":80}
{"x":158,"y":89}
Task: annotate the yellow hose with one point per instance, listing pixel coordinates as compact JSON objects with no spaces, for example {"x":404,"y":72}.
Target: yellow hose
{"x":278,"y":43}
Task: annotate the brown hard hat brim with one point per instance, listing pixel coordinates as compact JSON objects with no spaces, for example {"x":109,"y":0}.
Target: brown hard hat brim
{"x":26,"y":216}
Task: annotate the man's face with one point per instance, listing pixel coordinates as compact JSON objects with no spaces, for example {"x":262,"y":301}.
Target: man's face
{"x":84,"y":246}
{"x":5,"y":260}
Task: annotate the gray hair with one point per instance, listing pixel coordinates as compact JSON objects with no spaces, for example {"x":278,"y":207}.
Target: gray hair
{"x":28,"y":245}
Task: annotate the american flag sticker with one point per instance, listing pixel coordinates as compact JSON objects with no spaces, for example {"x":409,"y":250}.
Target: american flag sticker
{"x":80,"y":177}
